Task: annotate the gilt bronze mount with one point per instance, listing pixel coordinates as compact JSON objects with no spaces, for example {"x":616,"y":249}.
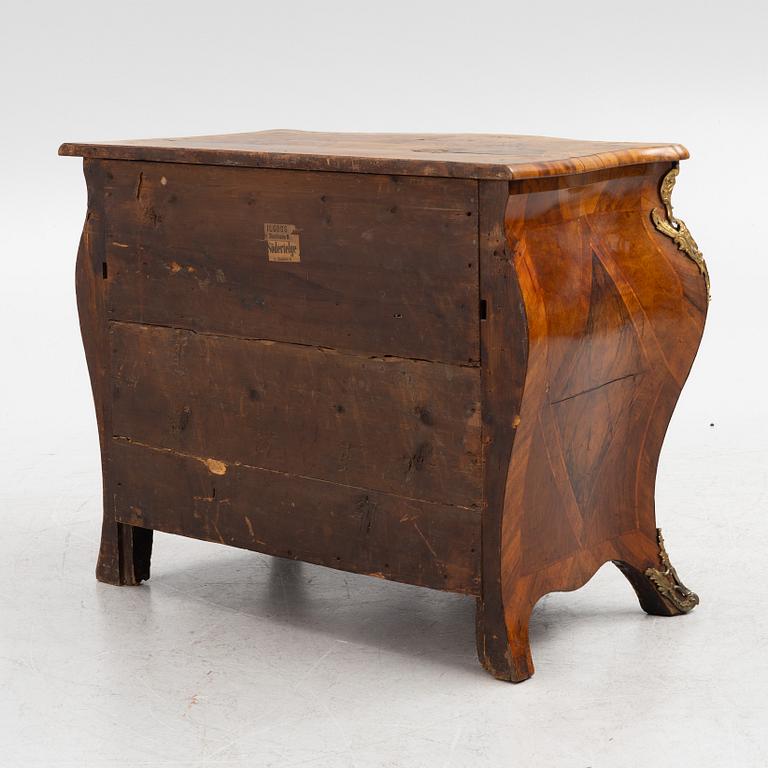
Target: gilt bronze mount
{"x":668,"y":583}
{"x":673,"y":227}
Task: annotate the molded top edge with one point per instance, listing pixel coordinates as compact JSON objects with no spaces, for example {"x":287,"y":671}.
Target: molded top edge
{"x":456,"y":155}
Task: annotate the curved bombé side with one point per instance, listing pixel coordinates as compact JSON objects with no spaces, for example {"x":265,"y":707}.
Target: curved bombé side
{"x":125,"y":551}
{"x":614,"y":310}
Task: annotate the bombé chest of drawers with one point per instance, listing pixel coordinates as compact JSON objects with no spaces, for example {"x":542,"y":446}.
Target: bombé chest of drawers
{"x":446,"y":360}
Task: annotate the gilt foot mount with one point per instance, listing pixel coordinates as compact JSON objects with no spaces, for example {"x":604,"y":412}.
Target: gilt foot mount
{"x":668,"y":583}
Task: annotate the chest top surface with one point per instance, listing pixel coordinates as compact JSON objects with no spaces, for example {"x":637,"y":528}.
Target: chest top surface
{"x":457,"y":155}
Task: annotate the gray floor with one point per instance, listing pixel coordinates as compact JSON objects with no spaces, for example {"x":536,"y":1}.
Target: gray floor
{"x":227,"y":658}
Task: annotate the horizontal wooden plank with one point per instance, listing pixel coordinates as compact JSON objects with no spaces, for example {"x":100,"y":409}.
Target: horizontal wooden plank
{"x":419,"y":543}
{"x":401,"y":426}
{"x":388,"y":265}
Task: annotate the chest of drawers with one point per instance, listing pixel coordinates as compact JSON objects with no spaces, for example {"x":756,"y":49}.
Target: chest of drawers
{"x":447,"y":360}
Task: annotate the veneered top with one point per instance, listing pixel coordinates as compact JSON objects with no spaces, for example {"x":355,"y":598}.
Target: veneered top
{"x":460,"y":155}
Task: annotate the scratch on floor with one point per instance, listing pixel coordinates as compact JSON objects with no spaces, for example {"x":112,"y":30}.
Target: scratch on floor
{"x":312,"y":668}
{"x":454,"y":742}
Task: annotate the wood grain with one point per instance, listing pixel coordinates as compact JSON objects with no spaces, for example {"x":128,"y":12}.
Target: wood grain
{"x":405,"y":427}
{"x":470,"y":156}
{"x":504,"y":353}
{"x":614,"y":316}
{"x":463,"y":383}
{"x":388,"y":265}
{"x":124,"y":552}
{"x":430,"y":545}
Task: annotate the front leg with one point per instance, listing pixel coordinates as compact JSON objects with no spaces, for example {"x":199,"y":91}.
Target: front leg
{"x":658,"y":587}
{"x":502,"y":634}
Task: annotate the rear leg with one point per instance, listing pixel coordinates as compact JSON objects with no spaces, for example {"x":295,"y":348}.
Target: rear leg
{"x":124,"y":554}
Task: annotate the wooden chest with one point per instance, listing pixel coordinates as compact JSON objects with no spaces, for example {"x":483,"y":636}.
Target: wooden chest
{"x":447,"y":360}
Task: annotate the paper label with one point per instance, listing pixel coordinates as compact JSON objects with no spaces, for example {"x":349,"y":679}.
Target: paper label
{"x":282,"y":242}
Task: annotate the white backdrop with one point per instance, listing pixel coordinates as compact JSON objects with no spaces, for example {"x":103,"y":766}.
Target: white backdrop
{"x":693,"y":72}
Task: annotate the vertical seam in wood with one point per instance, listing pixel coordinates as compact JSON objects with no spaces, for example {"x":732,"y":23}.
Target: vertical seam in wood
{"x":481,"y":361}
{"x":479,"y":299}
